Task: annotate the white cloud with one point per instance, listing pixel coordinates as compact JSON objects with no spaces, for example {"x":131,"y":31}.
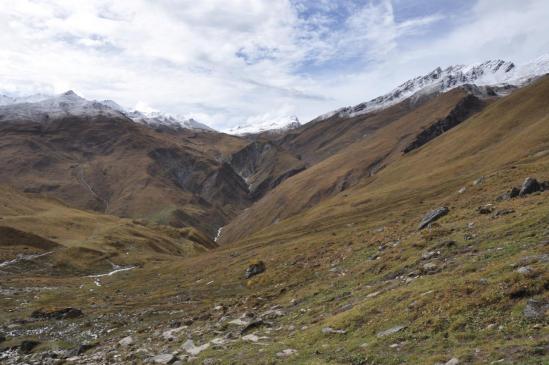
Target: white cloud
{"x":224,"y":62}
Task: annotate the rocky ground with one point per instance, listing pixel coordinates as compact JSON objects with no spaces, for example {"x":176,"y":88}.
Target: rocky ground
{"x":464,"y":283}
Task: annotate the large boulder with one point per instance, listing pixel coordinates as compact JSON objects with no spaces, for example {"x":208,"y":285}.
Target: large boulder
{"x":529,"y":186}
{"x":432,"y":216}
{"x":255,"y":269}
{"x":536,"y":309}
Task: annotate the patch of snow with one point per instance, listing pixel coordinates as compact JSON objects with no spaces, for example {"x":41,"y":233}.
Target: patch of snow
{"x":115,"y":271}
{"x":218,"y":235}
{"x":489,"y":73}
{"x":275,"y":126}
{"x":22,"y":257}
{"x":158,"y":119}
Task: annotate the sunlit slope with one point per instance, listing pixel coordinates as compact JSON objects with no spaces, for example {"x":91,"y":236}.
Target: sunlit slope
{"x":360,"y":162}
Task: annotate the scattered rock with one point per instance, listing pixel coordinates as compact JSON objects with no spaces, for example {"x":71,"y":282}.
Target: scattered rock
{"x":503,"y":212}
{"x":513,"y":193}
{"x":429,"y":255}
{"x":433,"y":216}
{"x":170,"y":335}
{"x":82,"y":349}
{"x":485,"y":209}
{"x":192,"y":349}
{"x":536,"y":309}
{"x":27,"y":346}
{"x":64,"y":313}
{"x":255,"y":269}
{"x":529,"y":186}
{"x":452,"y":361}
{"x":286,"y":353}
{"x":430,"y":268}
{"x":251,"y":338}
{"x":478,"y":181}
{"x":126,"y":341}
{"x":462,"y":190}
{"x":330,"y":330}
{"x":163,"y":359}
{"x":524,"y":270}
{"x":272,"y":314}
{"x":209,"y":361}
{"x":251,"y":326}
{"x":390,"y":331}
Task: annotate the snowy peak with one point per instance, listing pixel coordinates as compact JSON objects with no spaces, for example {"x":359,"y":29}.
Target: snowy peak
{"x":266,"y":125}
{"x":41,"y":107}
{"x":158,"y":119}
{"x":68,"y":104}
{"x":489,"y":73}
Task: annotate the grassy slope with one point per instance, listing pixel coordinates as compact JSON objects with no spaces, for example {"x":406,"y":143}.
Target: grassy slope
{"x":121,"y":240}
{"x":392,"y":131}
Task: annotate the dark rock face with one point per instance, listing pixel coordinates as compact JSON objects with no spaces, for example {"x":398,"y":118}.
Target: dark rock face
{"x":485,"y":209}
{"x":27,"y":346}
{"x":2,"y":338}
{"x":65,"y":313}
{"x":264,"y":165}
{"x":529,"y":186}
{"x":433,"y":216}
{"x":255,"y":269}
{"x":463,"y":110}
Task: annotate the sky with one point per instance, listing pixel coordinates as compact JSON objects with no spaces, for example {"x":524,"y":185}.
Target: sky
{"x":232,"y":62}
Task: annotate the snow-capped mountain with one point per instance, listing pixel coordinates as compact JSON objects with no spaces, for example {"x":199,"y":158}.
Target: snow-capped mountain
{"x":277,"y":125}
{"x":158,"y":119}
{"x":489,"y":73}
{"x":9,"y":98}
{"x":59,"y":106}
{"x":41,"y":107}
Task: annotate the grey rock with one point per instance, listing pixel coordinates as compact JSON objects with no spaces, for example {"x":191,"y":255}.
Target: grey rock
{"x":433,"y":216}
{"x":524,"y":270}
{"x":163,"y":359}
{"x":209,"y":361}
{"x":513,"y":193}
{"x":430,"y":268}
{"x":503,"y":212}
{"x":529,"y":186}
{"x":330,"y":330}
{"x":485,"y":209}
{"x":391,"y":331}
{"x":255,"y":269}
{"x":536,"y":309}
{"x":286,"y":353}
{"x":126,"y":341}
{"x":452,"y":361}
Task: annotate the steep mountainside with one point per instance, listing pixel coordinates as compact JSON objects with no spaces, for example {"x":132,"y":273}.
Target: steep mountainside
{"x":105,"y":162}
{"x":77,"y":241}
{"x":264,"y":165}
{"x":348,"y":160}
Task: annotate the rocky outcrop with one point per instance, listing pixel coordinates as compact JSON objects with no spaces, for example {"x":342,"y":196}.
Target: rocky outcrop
{"x":264,"y":165}
{"x":463,"y":110}
{"x":255,"y":269}
{"x":433,"y":216}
